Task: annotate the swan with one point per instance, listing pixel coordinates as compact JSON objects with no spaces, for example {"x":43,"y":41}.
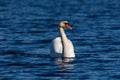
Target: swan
{"x":62,"y":46}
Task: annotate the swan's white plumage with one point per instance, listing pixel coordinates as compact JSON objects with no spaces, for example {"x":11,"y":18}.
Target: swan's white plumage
{"x":62,"y":46}
{"x":56,"y":48}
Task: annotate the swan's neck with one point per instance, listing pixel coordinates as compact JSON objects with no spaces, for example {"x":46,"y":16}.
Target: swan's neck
{"x":64,"y":40}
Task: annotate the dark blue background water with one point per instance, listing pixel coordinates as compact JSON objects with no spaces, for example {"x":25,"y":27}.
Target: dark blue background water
{"x":27,"y":28}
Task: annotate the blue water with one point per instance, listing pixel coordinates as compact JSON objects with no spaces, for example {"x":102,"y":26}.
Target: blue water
{"x":27,"y":28}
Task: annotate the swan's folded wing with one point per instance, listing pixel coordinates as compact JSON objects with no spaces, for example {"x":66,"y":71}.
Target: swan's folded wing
{"x":56,"y":46}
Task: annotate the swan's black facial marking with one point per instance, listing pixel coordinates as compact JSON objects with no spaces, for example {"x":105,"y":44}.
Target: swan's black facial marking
{"x":68,"y":26}
{"x":66,"y":23}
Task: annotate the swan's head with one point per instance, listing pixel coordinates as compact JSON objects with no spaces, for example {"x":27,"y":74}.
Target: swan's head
{"x":65,"y":24}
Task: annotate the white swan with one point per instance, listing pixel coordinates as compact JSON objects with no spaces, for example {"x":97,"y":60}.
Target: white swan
{"x":62,"y":46}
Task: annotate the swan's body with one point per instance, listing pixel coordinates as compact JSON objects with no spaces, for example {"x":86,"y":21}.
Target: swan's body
{"x":62,"y":46}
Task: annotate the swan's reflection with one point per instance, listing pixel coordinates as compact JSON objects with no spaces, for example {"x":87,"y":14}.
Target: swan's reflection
{"x":64,"y":66}
{"x":64,"y":62}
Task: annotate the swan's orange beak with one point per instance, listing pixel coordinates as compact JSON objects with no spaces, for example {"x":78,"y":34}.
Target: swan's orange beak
{"x":68,"y":26}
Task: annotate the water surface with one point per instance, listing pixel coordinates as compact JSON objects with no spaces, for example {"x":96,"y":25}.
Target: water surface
{"x":27,"y":28}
